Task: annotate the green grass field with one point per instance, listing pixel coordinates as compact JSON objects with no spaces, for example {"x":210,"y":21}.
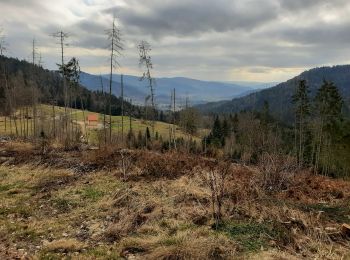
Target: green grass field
{"x":45,"y":115}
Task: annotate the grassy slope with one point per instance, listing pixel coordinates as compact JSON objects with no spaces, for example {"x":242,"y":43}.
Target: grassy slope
{"x":162,"y":211}
{"x":137,"y":124}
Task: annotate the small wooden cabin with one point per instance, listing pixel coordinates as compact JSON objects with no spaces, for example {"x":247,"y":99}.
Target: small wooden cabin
{"x":92,"y":120}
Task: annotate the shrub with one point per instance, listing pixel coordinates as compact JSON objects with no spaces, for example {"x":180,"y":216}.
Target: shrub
{"x":276,"y":171}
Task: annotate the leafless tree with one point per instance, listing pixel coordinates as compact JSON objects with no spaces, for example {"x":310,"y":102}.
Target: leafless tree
{"x":4,"y":103}
{"x":122,"y":99}
{"x":114,"y":36}
{"x":34,"y":97}
{"x":62,"y":36}
{"x":2,"y":42}
{"x":146,"y":61}
{"x":172,"y":126}
{"x":104,"y":111}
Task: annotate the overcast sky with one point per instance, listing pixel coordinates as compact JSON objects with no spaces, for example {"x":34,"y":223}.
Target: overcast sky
{"x":226,"y":40}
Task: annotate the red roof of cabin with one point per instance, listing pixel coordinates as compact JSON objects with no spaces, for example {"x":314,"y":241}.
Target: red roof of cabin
{"x":92,"y":117}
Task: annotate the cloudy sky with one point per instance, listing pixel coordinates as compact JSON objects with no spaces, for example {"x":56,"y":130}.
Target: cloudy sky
{"x":226,"y":40}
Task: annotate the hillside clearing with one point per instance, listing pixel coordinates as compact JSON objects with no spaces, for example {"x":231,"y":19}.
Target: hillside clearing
{"x":45,"y":116}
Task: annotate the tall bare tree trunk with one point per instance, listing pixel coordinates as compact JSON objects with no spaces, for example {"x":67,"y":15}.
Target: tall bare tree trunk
{"x":27,"y":117}
{"x":110,"y":86}
{"x":20,"y":122}
{"x":122,"y":97}
{"x":174,"y":120}
{"x":85,"y":128}
{"x":54,"y":120}
{"x":170,"y":121}
{"x":62,"y":37}
{"x":104,"y":111}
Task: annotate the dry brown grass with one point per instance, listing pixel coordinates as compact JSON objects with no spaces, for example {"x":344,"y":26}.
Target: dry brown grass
{"x":64,"y":246}
{"x":199,"y":244}
{"x":162,"y":210}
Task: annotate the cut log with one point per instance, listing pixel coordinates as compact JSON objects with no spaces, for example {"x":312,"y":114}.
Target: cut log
{"x":345,"y":230}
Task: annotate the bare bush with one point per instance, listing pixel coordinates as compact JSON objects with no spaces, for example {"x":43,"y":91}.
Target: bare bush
{"x":125,"y":163}
{"x":216,"y":180}
{"x":276,"y":171}
{"x":168,"y":165}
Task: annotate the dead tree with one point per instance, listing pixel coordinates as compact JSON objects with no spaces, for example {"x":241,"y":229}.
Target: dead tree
{"x":114,"y":36}
{"x":10,"y":99}
{"x":62,"y":36}
{"x":146,"y":61}
{"x":170,"y":126}
{"x":122,"y":100}
{"x":174,"y":119}
{"x":3,"y":88}
{"x":2,"y":42}
{"x":104,"y":111}
{"x":34,"y":98}
{"x":130,"y":134}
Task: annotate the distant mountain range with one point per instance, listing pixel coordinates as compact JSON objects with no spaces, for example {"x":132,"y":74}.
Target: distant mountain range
{"x":198,"y":92}
{"x":255,"y":85}
{"x":280,"y":96}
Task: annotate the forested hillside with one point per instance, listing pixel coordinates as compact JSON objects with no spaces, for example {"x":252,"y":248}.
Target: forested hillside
{"x":26,"y":83}
{"x":279,"y":97}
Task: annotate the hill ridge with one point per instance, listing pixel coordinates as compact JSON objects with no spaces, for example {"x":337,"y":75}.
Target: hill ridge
{"x":280,"y":96}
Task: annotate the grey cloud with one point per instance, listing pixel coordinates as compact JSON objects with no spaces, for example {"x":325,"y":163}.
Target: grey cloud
{"x":195,"y":17}
{"x":20,"y":2}
{"x":89,"y":34}
{"x":207,"y":38}
{"x":85,"y":33}
{"x":322,"y":34}
{"x":92,"y":42}
{"x":293,"y":5}
{"x":90,"y":26}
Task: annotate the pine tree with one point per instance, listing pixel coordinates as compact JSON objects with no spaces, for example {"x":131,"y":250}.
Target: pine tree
{"x":235,"y":123}
{"x":329,"y":105}
{"x":216,"y":136}
{"x":217,"y":129}
{"x":225,"y":128}
{"x":302,"y":112}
